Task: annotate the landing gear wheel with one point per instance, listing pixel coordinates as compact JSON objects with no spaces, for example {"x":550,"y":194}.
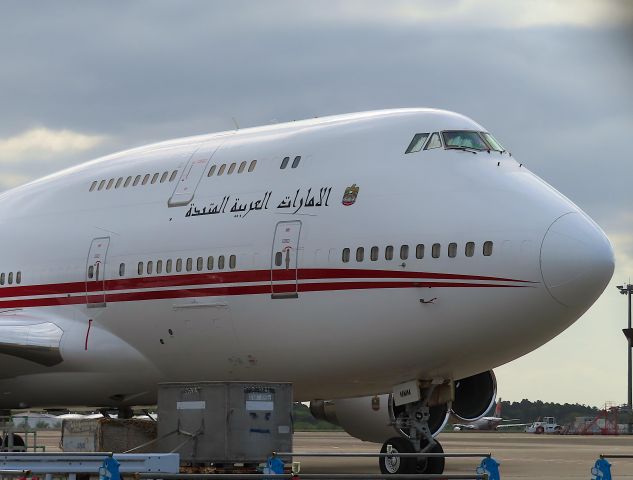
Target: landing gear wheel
{"x":18,"y":444}
{"x":540,"y":429}
{"x":431,"y":464}
{"x":399,"y":465}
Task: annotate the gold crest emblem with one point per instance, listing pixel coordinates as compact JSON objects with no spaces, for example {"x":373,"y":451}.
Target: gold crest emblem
{"x":349,"y":197}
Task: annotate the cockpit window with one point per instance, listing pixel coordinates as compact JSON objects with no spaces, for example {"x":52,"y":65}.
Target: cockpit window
{"x":417,"y":143}
{"x":493,"y":142}
{"x":464,"y":139}
{"x":434,"y":142}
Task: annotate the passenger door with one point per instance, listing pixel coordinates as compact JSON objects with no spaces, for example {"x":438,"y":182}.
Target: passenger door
{"x":284,"y":260}
{"x":95,"y":272}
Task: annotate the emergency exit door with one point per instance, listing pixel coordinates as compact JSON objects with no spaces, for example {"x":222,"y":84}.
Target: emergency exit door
{"x":95,"y":272}
{"x":284,"y":261}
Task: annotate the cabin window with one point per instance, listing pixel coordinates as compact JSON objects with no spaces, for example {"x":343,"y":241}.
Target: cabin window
{"x":168,"y":264}
{"x":18,"y":277}
{"x":242,"y":167}
{"x":93,"y":186}
{"x":118,"y":182}
{"x":150,"y":267}
{"x":232,"y":261}
{"x":101,"y":184}
{"x":231,"y":169}
{"x":145,"y":179}
{"x":373,"y":254}
{"x":295,"y":162}
{"x":91,"y":271}
{"x":110,"y":182}
{"x":278,"y":259}
{"x":10,"y":278}
{"x":1,"y":278}
{"x":211,"y":171}
{"x":172,"y":177}
{"x":200,"y":264}
{"x":487,"y":248}
{"x":155,"y":178}
{"x":463,"y":139}
{"x":345,"y":255}
{"x":122,"y":270}
{"x":284,"y":163}
{"x":452,"y":250}
{"x":140,"y":268}
{"x":136,"y":180}
{"x":210,"y":263}
{"x":434,"y":142}
{"x":159,"y":267}
{"x":179,"y":265}
{"x":221,"y":262}
{"x":417,"y":143}
{"x":189,"y":264}
{"x":127,"y":182}
{"x":419,"y":251}
{"x":436,"y":249}
{"x":360,"y":254}
{"x":221,"y":170}
{"x":251,"y":167}
{"x":389,"y":252}
{"x":163,"y":177}
{"x":469,"y":249}
{"x":404,"y":252}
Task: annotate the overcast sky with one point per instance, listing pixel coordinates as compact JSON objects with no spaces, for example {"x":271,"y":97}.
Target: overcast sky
{"x":553,"y":81}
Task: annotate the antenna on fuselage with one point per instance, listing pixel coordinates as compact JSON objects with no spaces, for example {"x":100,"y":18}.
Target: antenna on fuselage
{"x":237,"y":125}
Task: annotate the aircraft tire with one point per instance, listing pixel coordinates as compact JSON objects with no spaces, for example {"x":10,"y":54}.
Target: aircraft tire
{"x":18,"y":443}
{"x":539,"y":430}
{"x":432,"y":464}
{"x":397,"y":465}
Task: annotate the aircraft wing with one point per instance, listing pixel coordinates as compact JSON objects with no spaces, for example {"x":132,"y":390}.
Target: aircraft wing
{"x":509,"y":425}
{"x":463,"y":426}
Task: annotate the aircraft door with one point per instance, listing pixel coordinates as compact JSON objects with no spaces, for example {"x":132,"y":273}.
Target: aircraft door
{"x":284,"y":260}
{"x":95,"y":272}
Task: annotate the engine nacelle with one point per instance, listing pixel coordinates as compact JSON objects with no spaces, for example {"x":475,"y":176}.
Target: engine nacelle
{"x":474,"y":396}
{"x":371,"y":418}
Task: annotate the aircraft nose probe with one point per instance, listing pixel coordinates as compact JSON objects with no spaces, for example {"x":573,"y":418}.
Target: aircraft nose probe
{"x":576,"y":260}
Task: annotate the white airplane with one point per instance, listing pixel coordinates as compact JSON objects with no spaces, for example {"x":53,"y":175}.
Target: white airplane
{"x":362,"y":257}
{"x":489,"y":423}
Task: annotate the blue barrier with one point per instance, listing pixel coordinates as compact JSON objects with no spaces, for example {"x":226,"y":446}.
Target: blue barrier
{"x":601,"y":470}
{"x":490,"y":466}
{"x":110,"y":469}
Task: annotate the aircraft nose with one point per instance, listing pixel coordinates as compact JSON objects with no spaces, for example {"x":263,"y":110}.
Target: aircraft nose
{"x":576,"y":260}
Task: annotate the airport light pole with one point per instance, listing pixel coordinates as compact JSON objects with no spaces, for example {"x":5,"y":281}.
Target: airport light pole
{"x":628,"y":333}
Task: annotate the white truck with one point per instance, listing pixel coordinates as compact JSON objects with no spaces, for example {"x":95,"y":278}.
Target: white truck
{"x":547,"y":425}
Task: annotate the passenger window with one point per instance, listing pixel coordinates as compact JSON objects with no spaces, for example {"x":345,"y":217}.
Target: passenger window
{"x":404,"y":252}
{"x":127,"y":182}
{"x":91,"y":271}
{"x":436,"y":249}
{"x":251,"y":167}
{"x":211,"y":171}
{"x":469,"y":250}
{"x":1,"y":278}
{"x":168,"y":266}
{"x":10,"y":279}
{"x":295,"y":162}
{"x":18,"y":277}
{"x":417,"y":143}
{"x":242,"y":167}
{"x":200,"y":264}
{"x":155,"y":178}
{"x":150,"y":267}
{"x":163,"y":177}
{"x":360,"y":254}
{"x":93,"y":186}
{"x":159,"y":267}
{"x":145,"y":179}
{"x":345,"y":256}
{"x":140,"y":268}
{"x":373,"y":254}
{"x":434,"y":142}
{"x":389,"y":253}
{"x":122,"y":270}
{"x":221,"y":170}
{"x":209,"y":263}
{"x":231,"y":169}
{"x":179,"y":265}
{"x":189,"y":264}
{"x":487,"y":248}
{"x":110,"y":182}
{"x":221,"y":262}
{"x":284,"y":163}
{"x":452,"y":250}
{"x":232,"y":261}
{"x":136,"y":180}
{"x":278,"y":259}
{"x":118,"y":182}
{"x":101,"y":184}
{"x":419,"y":251}
{"x":172,"y":177}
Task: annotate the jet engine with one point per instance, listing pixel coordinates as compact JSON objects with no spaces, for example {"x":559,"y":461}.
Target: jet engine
{"x":474,"y":396}
{"x":371,"y":418}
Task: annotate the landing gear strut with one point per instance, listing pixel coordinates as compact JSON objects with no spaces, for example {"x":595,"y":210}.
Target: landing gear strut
{"x":417,"y":437}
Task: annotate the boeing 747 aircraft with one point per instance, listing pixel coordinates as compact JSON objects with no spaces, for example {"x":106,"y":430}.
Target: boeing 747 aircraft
{"x":365,"y":258}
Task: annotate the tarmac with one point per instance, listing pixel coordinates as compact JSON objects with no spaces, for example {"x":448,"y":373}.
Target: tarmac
{"x":522,"y":455}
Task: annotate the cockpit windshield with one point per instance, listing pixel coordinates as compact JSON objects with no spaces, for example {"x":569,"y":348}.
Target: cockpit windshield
{"x":464,"y":139}
{"x":493,"y":142}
